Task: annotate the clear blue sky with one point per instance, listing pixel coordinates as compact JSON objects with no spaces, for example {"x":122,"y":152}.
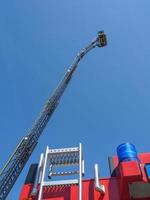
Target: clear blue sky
{"x":108,"y":100}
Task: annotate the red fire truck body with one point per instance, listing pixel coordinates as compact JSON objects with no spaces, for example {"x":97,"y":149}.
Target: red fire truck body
{"x":128,"y":180}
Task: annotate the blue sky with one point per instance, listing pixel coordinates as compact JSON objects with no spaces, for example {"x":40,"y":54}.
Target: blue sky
{"x":108,"y":100}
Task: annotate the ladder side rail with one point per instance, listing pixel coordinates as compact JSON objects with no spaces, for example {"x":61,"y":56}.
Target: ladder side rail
{"x":43,"y":174}
{"x":80,"y":172}
{"x":13,"y":173}
{"x":17,"y":150}
{"x":11,"y":157}
{"x":18,"y":153}
{"x":25,"y":151}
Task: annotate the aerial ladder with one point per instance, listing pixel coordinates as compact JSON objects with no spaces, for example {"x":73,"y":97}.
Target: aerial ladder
{"x":24,"y":149}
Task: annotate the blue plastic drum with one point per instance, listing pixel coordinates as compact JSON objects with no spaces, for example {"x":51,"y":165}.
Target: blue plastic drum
{"x":127,"y":152}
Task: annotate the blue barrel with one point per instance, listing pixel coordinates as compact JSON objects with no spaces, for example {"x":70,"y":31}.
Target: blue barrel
{"x":127,"y":152}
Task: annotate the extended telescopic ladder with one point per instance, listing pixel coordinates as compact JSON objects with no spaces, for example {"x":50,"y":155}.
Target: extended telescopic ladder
{"x":23,"y":151}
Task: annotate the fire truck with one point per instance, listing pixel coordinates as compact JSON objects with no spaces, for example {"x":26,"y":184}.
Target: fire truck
{"x":129,"y":170}
{"x":59,"y":176}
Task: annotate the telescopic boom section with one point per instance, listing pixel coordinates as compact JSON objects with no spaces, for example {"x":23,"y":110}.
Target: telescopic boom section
{"x":23,"y":151}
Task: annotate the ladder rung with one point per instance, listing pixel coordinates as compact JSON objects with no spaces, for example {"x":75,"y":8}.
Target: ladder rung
{"x":61,"y":182}
{"x":64,"y":150}
{"x":63,"y":173}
